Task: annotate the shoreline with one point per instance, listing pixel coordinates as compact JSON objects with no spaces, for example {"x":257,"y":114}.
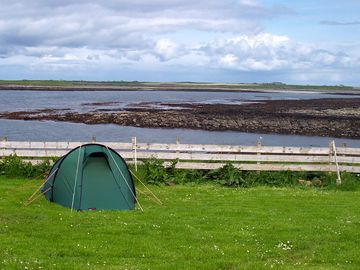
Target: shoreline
{"x":317,"y":117}
{"x":166,"y":87}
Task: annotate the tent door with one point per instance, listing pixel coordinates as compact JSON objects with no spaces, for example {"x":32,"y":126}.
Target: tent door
{"x":99,"y":188}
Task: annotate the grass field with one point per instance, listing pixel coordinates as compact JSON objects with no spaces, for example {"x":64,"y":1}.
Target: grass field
{"x":198,"y":227}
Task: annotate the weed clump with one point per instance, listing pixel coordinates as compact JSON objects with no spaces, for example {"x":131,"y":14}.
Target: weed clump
{"x":14,"y":166}
{"x":153,"y":172}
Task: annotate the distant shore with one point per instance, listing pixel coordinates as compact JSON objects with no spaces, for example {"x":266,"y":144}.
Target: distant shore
{"x":190,"y":87}
{"x":317,"y":117}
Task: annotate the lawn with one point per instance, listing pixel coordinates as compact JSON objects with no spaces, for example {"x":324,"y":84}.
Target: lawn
{"x":198,"y":227}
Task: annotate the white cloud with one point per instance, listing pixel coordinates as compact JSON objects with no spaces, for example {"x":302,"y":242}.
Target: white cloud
{"x":266,"y":52}
{"x":67,"y":36}
{"x":167,"y":49}
{"x":244,"y":53}
{"x":122,"y":24}
{"x":228,"y":60}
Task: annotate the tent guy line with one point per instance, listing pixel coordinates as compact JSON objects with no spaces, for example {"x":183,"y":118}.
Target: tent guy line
{"x":125,"y":180}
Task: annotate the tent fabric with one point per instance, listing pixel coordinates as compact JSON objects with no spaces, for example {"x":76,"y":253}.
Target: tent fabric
{"x":91,"y":176}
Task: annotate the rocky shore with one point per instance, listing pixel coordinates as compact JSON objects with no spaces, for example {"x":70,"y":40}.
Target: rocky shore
{"x":317,"y":117}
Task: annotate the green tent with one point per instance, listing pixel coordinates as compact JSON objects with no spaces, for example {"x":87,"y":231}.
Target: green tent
{"x":89,"y":177}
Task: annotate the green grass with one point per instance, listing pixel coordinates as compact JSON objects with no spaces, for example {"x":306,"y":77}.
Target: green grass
{"x":198,"y":227}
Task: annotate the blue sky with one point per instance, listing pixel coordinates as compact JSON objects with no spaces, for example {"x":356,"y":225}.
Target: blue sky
{"x":308,"y":22}
{"x":303,"y":42}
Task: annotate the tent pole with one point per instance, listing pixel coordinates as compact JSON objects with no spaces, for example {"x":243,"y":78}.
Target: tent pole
{"x":77,"y":170}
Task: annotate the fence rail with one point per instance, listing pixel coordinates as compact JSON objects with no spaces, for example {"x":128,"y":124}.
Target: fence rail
{"x":201,"y":156}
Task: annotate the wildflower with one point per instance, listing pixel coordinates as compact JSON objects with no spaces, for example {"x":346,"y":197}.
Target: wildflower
{"x":285,"y":246}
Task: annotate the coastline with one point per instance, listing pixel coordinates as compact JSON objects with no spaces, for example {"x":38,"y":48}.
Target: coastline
{"x":184,"y":87}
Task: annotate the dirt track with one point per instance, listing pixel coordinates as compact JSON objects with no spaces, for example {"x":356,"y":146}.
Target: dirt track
{"x":318,"y":117}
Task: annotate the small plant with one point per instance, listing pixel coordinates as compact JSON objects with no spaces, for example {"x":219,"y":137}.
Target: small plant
{"x":228,"y":175}
{"x":14,"y":166}
{"x":154,"y":172}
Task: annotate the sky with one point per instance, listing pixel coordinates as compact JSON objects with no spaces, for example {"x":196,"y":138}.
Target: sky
{"x":231,"y":41}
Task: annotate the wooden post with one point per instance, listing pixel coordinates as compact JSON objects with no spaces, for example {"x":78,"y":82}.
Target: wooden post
{"x":46,"y":149}
{"x":330,"y":156}
{"x":3,"y":139}
{"x":338,"y":180}
{"x":343,"y":145}
{"x":177,"y":150}
{"x":258,"y":144}
{"x":133,"y":141}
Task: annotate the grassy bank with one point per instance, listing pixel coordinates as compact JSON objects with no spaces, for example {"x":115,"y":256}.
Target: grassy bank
{"x":198,"y":227}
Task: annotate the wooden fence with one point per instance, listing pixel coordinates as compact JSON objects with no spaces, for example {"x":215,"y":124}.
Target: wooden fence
{"x":200,"y":156}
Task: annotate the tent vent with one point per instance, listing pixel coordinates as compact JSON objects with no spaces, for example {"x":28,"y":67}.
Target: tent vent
{"x":97,"y":154}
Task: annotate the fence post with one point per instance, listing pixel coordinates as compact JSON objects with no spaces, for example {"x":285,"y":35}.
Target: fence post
{"x":3,"y":139}
{"x":330,"y":157}
{"x":46,"y":149}
{"x":259,"y":144}
{"x":177,"y":148}
{"x":134,"y":146}
{"x":338,"y":179}
{"x":343,"y":145}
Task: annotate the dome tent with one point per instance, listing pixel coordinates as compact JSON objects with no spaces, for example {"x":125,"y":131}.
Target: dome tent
{"x":89,"y":177}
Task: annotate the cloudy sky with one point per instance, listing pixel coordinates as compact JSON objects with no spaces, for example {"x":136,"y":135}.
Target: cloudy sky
{"x":306,"y":42}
